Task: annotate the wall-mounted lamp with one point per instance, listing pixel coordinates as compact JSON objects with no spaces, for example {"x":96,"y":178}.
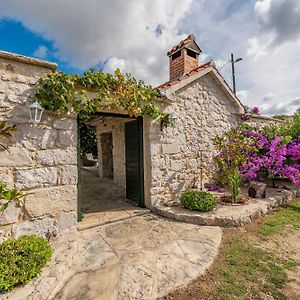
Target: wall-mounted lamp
{"x":35,"y":112}
{"x":162,"y":93}
{"x":170,"y":119}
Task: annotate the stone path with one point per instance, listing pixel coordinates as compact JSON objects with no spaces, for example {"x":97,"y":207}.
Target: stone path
{"x":144,"y":257}
{"x":103,"y":202}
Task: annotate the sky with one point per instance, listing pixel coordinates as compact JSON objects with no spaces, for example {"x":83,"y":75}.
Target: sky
{"x":134,"y":35}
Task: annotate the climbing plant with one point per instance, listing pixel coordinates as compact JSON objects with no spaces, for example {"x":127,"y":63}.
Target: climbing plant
{"x":96,"y":90}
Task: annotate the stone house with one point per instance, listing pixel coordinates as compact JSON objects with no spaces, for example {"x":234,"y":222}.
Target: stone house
{"x":149,"y":162}
{"x":152,"y":163}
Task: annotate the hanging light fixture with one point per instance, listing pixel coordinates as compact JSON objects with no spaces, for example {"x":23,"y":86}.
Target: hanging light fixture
{"x":35,"y":112}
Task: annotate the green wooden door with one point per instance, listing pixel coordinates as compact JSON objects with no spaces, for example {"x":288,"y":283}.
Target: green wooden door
{"x":134,"y":161}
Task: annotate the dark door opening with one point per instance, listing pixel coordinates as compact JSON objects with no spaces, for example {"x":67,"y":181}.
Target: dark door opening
{"x":101,"y":195}
{"x":134,"y":161}
{"x":107,"y":155}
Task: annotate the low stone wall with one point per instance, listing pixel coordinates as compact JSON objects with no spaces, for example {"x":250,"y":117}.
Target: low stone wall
{"x":40,"y":159}
{"x":262,"y":121}
{"x":226,"y":215}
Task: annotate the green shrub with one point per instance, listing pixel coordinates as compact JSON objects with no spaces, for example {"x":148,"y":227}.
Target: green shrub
{"x":21,"y":260}
{"x":233,"y":182}
{"x":195,"y":200}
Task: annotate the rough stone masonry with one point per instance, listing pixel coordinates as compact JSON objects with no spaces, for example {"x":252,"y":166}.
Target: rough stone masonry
{"x":40,"y":159}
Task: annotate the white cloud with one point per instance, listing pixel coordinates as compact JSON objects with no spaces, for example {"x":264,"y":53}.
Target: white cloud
{"x":135,"y":35}
{"x":121,"y":33}
{"x":269,"y":97}
{"x":281,"y":18}
{"x":41,"y":52}
{"x":286,"y":107}
{"x":243,"y":95}
{"x":257,"y":49}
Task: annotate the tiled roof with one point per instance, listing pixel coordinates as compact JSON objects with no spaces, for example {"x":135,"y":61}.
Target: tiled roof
{"x":168,"y":84}
{"x":184,"y":42}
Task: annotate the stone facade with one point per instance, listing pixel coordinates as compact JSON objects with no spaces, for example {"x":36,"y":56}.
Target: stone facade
{"x":182,"y":156}
{"x":40,"y":159}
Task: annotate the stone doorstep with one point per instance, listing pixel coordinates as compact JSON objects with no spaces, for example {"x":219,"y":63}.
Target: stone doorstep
{"x":110,"y":220}
{"x":227,"y":215}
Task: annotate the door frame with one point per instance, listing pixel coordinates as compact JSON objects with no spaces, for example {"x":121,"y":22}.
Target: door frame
{"x":141,"y":157}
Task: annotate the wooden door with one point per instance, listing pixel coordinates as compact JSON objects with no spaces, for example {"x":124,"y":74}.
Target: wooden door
{"x":134,"y":161}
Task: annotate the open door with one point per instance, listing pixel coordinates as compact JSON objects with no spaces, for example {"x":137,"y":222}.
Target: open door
{"x":134,"y":161}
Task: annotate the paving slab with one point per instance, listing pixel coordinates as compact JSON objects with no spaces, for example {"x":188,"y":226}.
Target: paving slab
{"x":144,"y":257}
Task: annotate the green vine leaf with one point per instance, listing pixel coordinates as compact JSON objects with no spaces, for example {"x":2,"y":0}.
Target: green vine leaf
{"x":61,"y":92}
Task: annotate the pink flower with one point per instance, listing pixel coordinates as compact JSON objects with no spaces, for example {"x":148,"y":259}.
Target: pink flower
{"x":255,"y":110}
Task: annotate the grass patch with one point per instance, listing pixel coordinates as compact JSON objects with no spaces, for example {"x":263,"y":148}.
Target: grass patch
{"x":289,"y":215}
{"x":247,"y":271}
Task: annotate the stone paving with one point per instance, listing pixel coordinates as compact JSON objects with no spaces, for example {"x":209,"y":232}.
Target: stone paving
{"x":103,"y":202}
{"x":143,"y":257}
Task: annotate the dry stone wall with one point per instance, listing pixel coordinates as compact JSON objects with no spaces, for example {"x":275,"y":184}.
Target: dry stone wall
{"x":262,"y":121}
{"x":182,"y":156}
{"x":40,"y":159}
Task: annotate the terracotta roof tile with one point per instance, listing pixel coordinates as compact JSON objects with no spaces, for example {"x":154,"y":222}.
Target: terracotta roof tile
{"x":168,"y":84}
{"x":187,"y":40}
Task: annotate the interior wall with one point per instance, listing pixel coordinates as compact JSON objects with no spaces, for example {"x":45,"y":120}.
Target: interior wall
{"x":115,"y":126}
{"x":107,"y":164}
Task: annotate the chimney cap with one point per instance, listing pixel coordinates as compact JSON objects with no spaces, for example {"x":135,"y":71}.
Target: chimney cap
{"x":189,"y":43}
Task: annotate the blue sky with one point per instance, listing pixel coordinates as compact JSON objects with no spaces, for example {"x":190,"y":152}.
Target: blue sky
{"x":18,"y":39}
{"x":134,"y":35}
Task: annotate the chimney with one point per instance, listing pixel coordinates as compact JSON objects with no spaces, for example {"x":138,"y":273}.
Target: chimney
{"x":184,"y":57}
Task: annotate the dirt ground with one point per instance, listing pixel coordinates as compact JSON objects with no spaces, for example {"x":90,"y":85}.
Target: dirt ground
{"x":286,"y":244}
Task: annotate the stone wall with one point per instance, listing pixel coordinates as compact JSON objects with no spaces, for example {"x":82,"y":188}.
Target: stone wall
{"x":261,"y":121}
{"x":40,"y":159}
{"x":182,"y":156}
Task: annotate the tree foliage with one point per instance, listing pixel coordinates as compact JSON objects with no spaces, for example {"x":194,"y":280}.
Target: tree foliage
{"x":88,"y":140}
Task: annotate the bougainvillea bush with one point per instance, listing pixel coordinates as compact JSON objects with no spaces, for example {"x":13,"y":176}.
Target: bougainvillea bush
{"x":278,"y":157}
{"x":259,"y":153}
{"x":233,"y":151}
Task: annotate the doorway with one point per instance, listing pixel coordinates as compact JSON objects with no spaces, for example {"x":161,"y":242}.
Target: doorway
{"x":114,"y":189}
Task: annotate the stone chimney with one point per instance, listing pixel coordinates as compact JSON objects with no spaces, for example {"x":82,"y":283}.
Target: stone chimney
{"x":184,"y":57}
